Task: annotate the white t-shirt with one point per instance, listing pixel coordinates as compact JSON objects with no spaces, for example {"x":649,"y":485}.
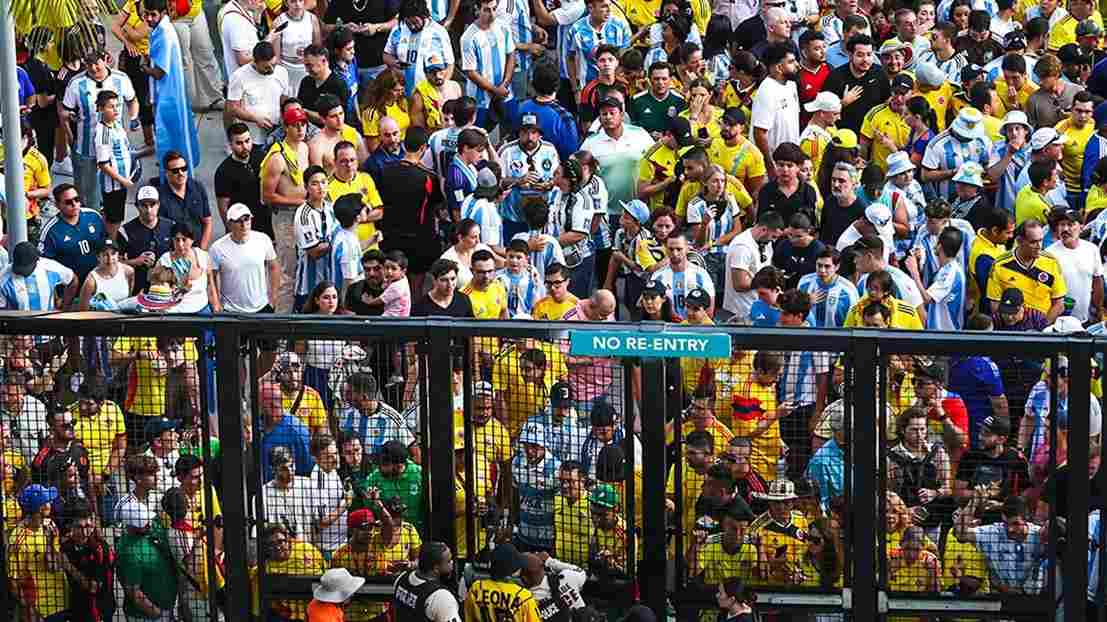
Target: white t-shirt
{"x":327,"y":492}
{"x":1079,"y":265}
{"x":243,"y":275}
{"x":743,"y":253}
{"x":852,"y":235}
{"x":196,"y":298}
{"x":776,"y":109}
{"x":237,"y":32}
{"x":260,"y":94}
{"x":464,"y":274}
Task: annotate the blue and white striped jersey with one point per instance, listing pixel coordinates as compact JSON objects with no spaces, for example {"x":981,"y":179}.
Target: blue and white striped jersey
{"x":929,"y":243}
{"x":948,"y":153}
{"x":566,"y":15}
{"x":523,"y":290}
{"x":678,"y":284}
{"x":799,"y":383}
{"x":946,"y":310}
{"x":942,"y":12}
{"x":583,"y":41}
{"x":914,"y":201}
{"x":486,"y":52}
{"x":721,"y":220}
{"x":831,"y":27}
{"x":460,"y":182}
{"x":1008,"y":183}
{"x":113,"y":147}
{"x":564,"y":438}
{"x":80,"y":99}
{"x":73,"y":245}
{"x":378,"y":428}
{"x":312,"y":227}
{"x":517,"y":14}
{"x":345,"y":257}
{"x":439,"y":9}
{"x":442,"y":147}
{"x":572,"y":214}
{"x":951,"y":67}
{"x":516,"y":163}
{"x":1095,"y":552}
{"x":35,"y":292}
{"x":1094,"y":151}
{"x":837,"y":299}
{"x":487,"y":216}
{"x":602,"y":236}
{"x":550,"y":254}
{"x":537,"y":484}
{"x":413,"y":49}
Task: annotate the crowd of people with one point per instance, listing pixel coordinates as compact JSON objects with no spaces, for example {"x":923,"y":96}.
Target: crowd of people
{"x":830,"y":164}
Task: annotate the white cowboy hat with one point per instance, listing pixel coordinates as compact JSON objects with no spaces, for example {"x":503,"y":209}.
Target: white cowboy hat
{"x":336,"y":585}
{"x":779,"y":490}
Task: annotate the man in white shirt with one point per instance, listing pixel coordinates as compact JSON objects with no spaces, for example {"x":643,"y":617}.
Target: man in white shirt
{"x":247,"y":274}
{"x":877,"y":221}
{"x":238,"y":32}
{"x":256,"y":92}
{"x":744,"y":257}
{"x":1080,"y":263}
{"x":288,"y":496}
{"x":775,"y":112}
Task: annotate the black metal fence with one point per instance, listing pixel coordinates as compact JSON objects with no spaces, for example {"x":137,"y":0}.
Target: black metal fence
{"x":347,"y":442}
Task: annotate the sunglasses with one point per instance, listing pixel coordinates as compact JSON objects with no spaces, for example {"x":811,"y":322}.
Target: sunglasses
{"x":180,"y":170}
{"x":244,"y":219}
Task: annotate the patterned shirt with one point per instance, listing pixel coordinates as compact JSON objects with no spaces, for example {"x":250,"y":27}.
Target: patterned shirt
{"x":312,"y":227}
{"x":485,"y":52}
{"x":80,"y":99}
{"x":413,"y":49}
{"x":113,"y":147}
{"x":583,"y":41}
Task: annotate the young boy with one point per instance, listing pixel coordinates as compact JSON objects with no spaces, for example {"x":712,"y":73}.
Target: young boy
{"x":536,"y":211}
{"x":945,"y":298}
{"x":832,"y":295}
{"x":521,"y":281}
{"x":768,"y":283}
{"x":113,"y":155}
{"x":345,"y":247}
{"x":396,"y":300}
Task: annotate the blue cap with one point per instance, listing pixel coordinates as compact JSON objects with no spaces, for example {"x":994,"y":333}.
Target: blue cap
{"x":534,"y":434}
{"x":35,"y":496}
{"x":637,"y":210}
{"x":1100,"y":115}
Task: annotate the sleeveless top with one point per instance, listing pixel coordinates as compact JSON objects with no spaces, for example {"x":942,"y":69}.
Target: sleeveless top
{"x":291,"y":163}
{"x":114,"y":287}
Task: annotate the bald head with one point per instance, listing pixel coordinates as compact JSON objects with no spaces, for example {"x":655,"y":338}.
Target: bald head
{"x":390,"y":133}
{"x":533,"y":570}
{"x":602,"y":305}
{"x":270,"y":400}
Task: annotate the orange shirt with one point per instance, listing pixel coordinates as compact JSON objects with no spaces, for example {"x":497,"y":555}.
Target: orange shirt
{"x":319,"y":611}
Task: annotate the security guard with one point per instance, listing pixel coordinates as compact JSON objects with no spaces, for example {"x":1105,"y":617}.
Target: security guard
{"x":555,"y":584}
{"x":421,"y":595}
{"x":500,"y":599}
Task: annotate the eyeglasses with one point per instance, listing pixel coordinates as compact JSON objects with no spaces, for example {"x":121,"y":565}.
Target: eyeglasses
{"x":553,"y":282}
{"x":180,"y":170}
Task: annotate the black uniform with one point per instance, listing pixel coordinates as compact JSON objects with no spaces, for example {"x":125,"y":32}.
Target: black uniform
{"x":558,"y":606}
{"x":409,"y":601}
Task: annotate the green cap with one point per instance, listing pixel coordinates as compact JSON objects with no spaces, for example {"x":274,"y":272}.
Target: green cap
{"x":604,"y":495}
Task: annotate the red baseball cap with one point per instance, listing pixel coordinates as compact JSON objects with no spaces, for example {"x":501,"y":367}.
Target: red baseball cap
{"x":294,"y":115}
{"x":360,"y":519}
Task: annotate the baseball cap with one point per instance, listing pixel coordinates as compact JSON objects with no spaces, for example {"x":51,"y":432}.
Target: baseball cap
{"x":434,"y":63}
{"x":506,"y":560}
{"x":157,"y":425}
{"x":1088,"y":28}
{"x":698,"y":297}
{"x":1061,"y":213}
{"x":529,"y":120}
{"x":1011,"y":300}
{"x":24,"y":258}
{"x":609,"y":102}
{"x":1069,"y":54}
{"x":147,"y":193}
{"x":971,"y":72}
{"x":294,"y":115}
{"x":1044,"y":137}
{"x":487,"y":184}
{"x":104,"y":245}
{"x":603,"y":413}
{"x":845,"y":138}
{"x":135,"y":514}
{"x":637,"y":210}
{"x":825,"y":101}
{"x":878,"y":214}
{"x":237,"y":211}
{"x":561,"y":395}
{"x":681,"y":129}
{"x":655,"y":288}
{"x":35,"y":496}
{"x":394,"y":452}
{"x":534,"y":434}
{"x":1000,"y":426}
{"x":1014,"y":40}
{"x":734,"y":116}
{"x":903,"y":81}
{"x":482,"y":388}
{"x":604,"y":495}
{"x":360,"y":519}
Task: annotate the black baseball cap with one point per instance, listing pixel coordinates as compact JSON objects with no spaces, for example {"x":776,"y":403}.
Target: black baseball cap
{"x":903,"y":81}
{"x":609,"y":102}
{"x":1000,"y":426}
{"x":734,"y":116}
{"x":561,"y":395}
{"x":1011,"y":300}
{"x":698,"y":297}
{"x":681,"y":129}
{"x":24,"y":258}
{"x":654,"y":287}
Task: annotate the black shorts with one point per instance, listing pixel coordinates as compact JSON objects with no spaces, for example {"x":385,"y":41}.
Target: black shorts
{"x":114,"y":205}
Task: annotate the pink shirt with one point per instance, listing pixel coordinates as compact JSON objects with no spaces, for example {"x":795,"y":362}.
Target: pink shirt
{"x":397,"y":299}
{"x":591,"y":380}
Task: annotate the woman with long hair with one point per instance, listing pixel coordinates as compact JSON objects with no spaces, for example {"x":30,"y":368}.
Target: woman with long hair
{"x":320,"y":355}
{"x":192,"y":266}
{"x":384,"y":98}
{"x":821,"y":564}
{"x":746,"y":72}
{"x":593,"y":184}
{"x":705,"y":117}
{"x":466,"y":242}
{"x":923,"y":122}
{"x":715,"y":52}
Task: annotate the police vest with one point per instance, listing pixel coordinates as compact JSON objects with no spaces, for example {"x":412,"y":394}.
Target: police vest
{"x":409,"y":602}
{"x":557,"y":607}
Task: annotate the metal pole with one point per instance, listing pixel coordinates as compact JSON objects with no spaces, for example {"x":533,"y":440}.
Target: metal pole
{"x":13,"y":146}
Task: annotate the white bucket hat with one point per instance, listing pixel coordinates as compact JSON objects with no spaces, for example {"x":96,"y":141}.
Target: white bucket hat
{"x":899,"y":162}
{"x":336,"y":585}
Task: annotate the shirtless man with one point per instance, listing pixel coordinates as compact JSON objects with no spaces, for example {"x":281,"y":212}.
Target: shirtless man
{"x":335,"y":130}
{"x":283,"y":190}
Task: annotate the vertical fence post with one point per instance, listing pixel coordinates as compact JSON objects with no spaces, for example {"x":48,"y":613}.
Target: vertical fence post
{"x":236,"y":529}
{"x":651,"y":577}
{"x":863,"y":508}
{"x":440,"y":510}
{"x":1076,"y":547}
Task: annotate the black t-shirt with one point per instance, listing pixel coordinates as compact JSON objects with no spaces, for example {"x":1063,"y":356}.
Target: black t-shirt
{"x":460,"y":307}
{"x":1056,"y":492}
{"x":1009,"y":469}
{"x":410,"y":194}
{"x":795,"y":261}
{"x":136,"y":238}
{"x":750,"y":32}
{"x":310,"y":91}
{"x":240,"y":182}
{"x":353,"y":298}
{"x":368,"y":49}
{"x":45,"y":84}
{"x":771,"y":199}
{"x":837,"y":219}
{"x":875,"y":91}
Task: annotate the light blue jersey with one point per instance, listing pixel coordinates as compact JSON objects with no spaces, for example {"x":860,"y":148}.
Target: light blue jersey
{"x":678,"y":284}
{"x":550,"y":253}
{"x":485,"y":52}
{"x":929,"y":243}
{"x":80,"y":99}
{"x":517,"y":163}
{"x":946,"y":309}
{"x":1008,"y":183}
{"x":312,"y":227}
{"x":487,"y":216}
{"x":583,"y":41}
{"x":837,"y":299}
{"x":948,"y":153}
{"x":37,"y":291}
{"x":345,"y":257}
{"x":537,"y":484}
{"x":412,"y":49}
{"x":566,"y":437}
{"x":799,"y":383}
{"x":517,"y":14}
{"x":113,"y":147}
{"x":566,"y":15}
{"x":523,"y":290}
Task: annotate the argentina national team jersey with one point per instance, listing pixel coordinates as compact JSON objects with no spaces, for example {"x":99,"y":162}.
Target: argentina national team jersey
{"x":944,"y":152}
{"x":72,"y":245}
{"x":678,"y":284}
{"x":80,"y":98}
{"x":537,"y":485}
{"x":550,"y":253}
{"x":837,"y":299}
{"x":442,"y":147}
{"x":800,"y":379}
{"x":486,"y":52}
{"x":722,"y":216}
{"x":516,"y":13}
{"x":35,"y":292}
{"x":523,"y":290}
{"x":517,"y":163}
{"x":566,"y":16}
{"x":946,"y":310}
{"x":487,"y":216}
{"x":312,"y":228}
{"x":929,"y":243}
{"x":583,"y":41}
{"x":112,"y":147}
{"x":345,"y":257}
{"x":413,"y":49}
